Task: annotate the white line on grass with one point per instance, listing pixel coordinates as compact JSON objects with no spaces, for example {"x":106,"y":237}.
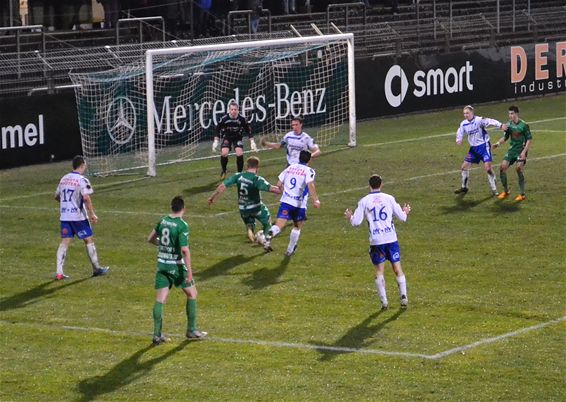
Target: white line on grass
{"x":304,"y":346}
{"x":494,"y":339}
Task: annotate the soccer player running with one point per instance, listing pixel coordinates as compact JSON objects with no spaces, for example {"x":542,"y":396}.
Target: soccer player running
{"x":231,"y":129}
{"x":520,"y":139}
{"x":249,"y":186}
{"x":295,"y":141}
{"x":296,"y":183}
{"x":480,"y":148}
{"x":378,"y":208}
{"x":76,"y":208}
{"x":171,"y":235}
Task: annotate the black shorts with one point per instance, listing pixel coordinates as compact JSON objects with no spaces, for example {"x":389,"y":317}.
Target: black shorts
{"x":232,"y":142}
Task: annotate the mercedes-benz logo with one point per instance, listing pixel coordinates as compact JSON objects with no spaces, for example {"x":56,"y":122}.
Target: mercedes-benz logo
{"x":121,"y":120}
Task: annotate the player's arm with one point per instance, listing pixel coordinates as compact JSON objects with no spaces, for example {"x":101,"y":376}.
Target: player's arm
{"x":90,"y":208}
{"x":355,"y":218}
{"x":247,"y":129}
{"x":401,"y":213}
{"x":315,"y":151}
{"x":313,"y":194}
{"x":153,"y":238}
{"x":217,"y":135}
{"x":188,"y":263}
{"x":459,"y":135}
{"x":217,"y":193}
{"x":271,"y":145}
{"x":502,"y":140}
{"x":487,"y":122}
{"x":275,"y":190}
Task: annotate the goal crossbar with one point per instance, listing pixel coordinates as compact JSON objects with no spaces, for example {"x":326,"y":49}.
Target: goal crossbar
{"x":151,"y":54}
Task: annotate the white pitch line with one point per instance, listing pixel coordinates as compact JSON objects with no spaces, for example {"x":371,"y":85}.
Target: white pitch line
{"x":494,"y":339}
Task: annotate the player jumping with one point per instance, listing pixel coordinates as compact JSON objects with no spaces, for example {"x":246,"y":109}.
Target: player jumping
{"x":73,"y":194}
{"x":378,"y":208}
{"x":480,"y":148}
{"x":520,"y":139}
{"x":231,"y":129}
{"x":249,"y":185}
{"x":297,"y":183}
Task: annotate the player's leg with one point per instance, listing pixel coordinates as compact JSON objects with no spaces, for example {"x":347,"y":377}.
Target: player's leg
{"x":97,"y":270}
{"x":520,"y":174}
{"x":190,"y":290}
{"x":283,"y":215}
{"x":503,"y":177}
{"x":298,"y":221}
{"x":225,"y":149}
{"x":249,"y":220}
{"x":401,"y":283}
{"x":66,"y":238}
{"x":465,"y":173}
{"x":264,"y":217}
{"x":239,"y":148}
{"x":162,"y":285}
{"x":490,"y":176}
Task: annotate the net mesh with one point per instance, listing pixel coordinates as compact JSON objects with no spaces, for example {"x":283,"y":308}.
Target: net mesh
{"x":191,"y":94}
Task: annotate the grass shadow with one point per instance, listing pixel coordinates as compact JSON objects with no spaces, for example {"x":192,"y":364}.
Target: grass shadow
{"x":222,"y":267}
{"x":123,"y":373}
{"x":33,"y":295}
{"x":506,"y":207}
{"x":463,"y":205}
{"x":356,"y":336}
{"x":205,"y":188}
{"x":265,"y":277}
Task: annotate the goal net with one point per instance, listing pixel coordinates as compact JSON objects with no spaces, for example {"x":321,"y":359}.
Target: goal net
{"x":165,"y":109}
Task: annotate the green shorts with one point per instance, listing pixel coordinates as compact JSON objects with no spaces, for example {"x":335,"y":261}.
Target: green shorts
{"x":512,"y":156}
{"x":261,"y":214}
{"x":176,"y":275}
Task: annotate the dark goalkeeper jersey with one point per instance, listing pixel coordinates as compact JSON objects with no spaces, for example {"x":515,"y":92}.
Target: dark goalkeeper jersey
{"x":233,"y":128}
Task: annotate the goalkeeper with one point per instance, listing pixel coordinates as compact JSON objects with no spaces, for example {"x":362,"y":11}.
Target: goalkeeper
{"x":230,"y":130}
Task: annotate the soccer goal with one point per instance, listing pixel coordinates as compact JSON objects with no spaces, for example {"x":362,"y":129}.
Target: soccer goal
{"x":165,"y":110}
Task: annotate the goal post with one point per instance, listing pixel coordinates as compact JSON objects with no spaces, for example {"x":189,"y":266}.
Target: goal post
{"x":151,"y":55}
{"x":163,"y":106}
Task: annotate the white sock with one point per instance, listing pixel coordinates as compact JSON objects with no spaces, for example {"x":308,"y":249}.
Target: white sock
{"x":380,"y":285}
{"x":465,"y":175}
{"x":61,"y":254}
{"x":402,"y":285}
{"x":492,"y":180}
{"x":293,"y":239}
{"x":91,"y":252}
{"x":274,"y":231}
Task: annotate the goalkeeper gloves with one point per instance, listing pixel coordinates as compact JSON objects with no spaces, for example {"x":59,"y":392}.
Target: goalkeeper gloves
{"x":215,"y":145}
{"x":253,"y":146}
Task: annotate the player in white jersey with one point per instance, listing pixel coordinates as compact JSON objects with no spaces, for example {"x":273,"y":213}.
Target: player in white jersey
{"x":480,"y":148}
{"x":73,"y":194}
{"x":378,"y":208}
{"x":295,"y":141}
{"x":296,"y":183}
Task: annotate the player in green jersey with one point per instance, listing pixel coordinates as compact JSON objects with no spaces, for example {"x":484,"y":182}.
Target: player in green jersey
{"x":249,"y":186}
{"x":520,"y":140}
{"x":171,"y":235}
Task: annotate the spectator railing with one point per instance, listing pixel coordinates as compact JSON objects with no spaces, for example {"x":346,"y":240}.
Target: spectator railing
{"x":18,"y":31}
{"x":248,"y":14}
{"x":346,"y":7}
{"x":141,"y":21}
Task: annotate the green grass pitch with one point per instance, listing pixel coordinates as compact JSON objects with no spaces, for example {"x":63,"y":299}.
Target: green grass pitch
{"x":308,"y":327}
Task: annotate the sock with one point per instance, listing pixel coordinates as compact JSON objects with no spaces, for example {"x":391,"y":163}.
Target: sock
{"x":191,"y":309}
{"x":61,"y":254}
{"x":465,"y":175}
{"x":491,"y":178}
{"x":274,"y":231}
{"x":91,"y":251}
{"x":157,"y":318}
{"x":521,"y":182}
{"x":293,"y":239}
{"x":380,"y":285}
{"x":503,"y":177}
{"x":224,"y":163}
{"x":240,"y":162}
{"x":402,"y":285}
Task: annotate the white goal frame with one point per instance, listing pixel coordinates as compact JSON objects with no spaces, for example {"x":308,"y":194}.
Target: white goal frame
{"x":149,"y":56}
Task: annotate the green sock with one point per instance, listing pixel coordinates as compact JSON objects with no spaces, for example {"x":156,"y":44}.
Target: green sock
{"x":157,"y":318}
{"x":191,"y":308}
{"x":521,"y":182}
{"x":503,"y":177}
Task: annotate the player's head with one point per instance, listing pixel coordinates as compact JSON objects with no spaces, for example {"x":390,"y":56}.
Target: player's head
{"x":304,"y":157}
{"x":375,"y":182}
{"x":253,"y":162}
{"x":79,"y":163}
{"x":513,"y":113}
{"x":177,"y":204}
{"x":468,"y":112}
{"x":233,"y":109}
{"x":297,"y":124}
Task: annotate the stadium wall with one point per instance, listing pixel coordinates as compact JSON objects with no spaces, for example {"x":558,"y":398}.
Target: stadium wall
{"x":39,"y":129}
